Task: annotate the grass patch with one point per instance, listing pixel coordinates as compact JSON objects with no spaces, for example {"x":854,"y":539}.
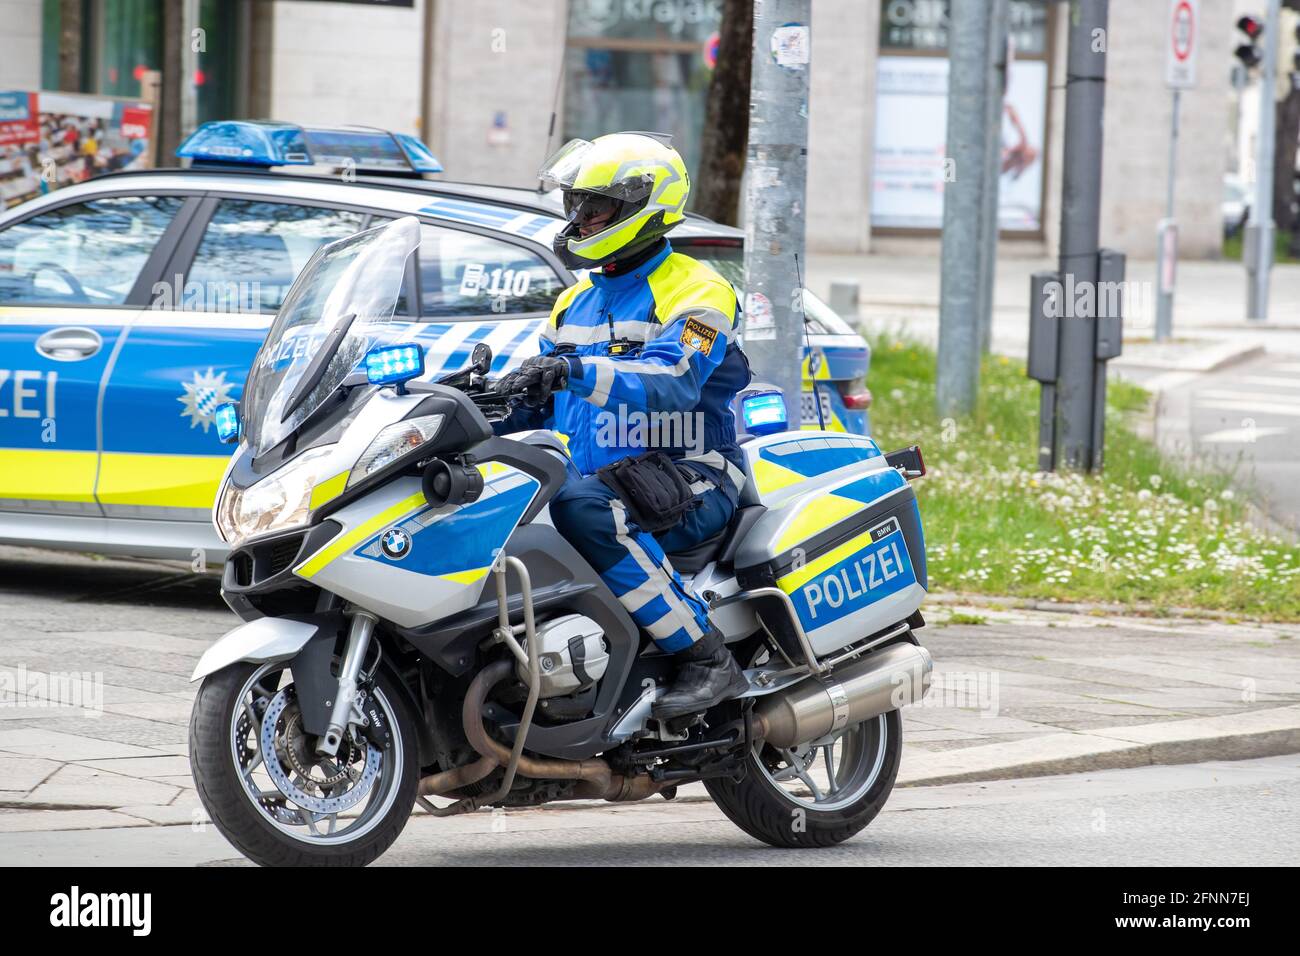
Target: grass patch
{"x":1147,"y":530}
{"x":1232,"y":247}
{"x":960,"y":617}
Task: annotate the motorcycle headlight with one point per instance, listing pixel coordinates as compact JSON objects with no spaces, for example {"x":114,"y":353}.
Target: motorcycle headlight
{"x":394,"y":442}
{"x":279,"y":501}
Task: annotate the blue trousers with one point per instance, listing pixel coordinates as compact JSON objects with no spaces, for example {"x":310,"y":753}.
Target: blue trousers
{"x":632,"y":562}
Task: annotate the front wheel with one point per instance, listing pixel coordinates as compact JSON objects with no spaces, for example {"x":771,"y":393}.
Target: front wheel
{"x":817,"y":794}
{"x":277,"y":800}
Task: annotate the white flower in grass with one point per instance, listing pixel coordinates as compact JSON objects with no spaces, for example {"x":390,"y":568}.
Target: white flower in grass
{"x":1227,"y":494}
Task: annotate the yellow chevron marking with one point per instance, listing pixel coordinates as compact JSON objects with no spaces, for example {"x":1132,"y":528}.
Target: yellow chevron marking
{"x":346,"y":542}
{"x":797,"y":578}
{"x":467,"y":577}
{"x":816,"y":516}
{"x":329,"y":489}
{"x":772,"y":477}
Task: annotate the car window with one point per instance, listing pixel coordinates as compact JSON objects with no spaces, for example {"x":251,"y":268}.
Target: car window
{"x":466,"y":274}
{"x":85,"y":253}
{"x":726,"y":256}
{"x":251,"y":251}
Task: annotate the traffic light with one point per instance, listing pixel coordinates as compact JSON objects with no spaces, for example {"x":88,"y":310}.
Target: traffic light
{"x":1249,"y":53}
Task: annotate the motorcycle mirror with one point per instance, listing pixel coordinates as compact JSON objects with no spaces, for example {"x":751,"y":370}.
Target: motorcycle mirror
{"x":481,"y":358}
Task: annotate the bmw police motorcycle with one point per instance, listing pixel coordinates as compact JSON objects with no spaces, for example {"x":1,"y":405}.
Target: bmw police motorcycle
{"x":416,"y":631}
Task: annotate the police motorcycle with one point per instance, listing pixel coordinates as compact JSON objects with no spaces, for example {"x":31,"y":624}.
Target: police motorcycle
{"x":416,"y":631}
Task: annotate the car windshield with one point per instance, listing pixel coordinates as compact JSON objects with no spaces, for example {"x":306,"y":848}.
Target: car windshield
{"x":343,"y":300}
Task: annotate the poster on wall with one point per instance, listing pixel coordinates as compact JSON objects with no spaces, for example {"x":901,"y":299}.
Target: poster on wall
{"x":50,"y":140}
{"x":911,"y":162}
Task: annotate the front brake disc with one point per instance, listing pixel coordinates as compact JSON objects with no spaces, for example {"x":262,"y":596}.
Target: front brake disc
{"x":274,"y":739}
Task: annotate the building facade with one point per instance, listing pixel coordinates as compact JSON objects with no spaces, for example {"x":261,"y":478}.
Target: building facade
{"x":479,"y":80}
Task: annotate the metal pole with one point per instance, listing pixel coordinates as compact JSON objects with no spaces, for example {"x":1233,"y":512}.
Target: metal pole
{"x":1165,"y":298}
{"x":1080,"y":234}
{"x":1257,"y":249}
{"x":999,"y":17}
{"x":959,"y":293}
{"x":777,"y":171}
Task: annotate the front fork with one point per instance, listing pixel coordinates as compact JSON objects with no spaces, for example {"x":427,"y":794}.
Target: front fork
{"x":344,"y":710}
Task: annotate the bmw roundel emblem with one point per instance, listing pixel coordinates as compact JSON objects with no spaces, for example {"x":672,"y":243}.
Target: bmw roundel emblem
{"x":395,"y":543}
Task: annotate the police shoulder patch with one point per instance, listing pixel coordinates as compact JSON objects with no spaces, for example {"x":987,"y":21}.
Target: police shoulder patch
{"x":698,"y":336}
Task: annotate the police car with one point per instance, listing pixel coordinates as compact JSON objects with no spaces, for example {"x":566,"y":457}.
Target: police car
{"x":131,"y":306}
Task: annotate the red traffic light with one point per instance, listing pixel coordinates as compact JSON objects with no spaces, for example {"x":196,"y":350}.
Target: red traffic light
{"x":1251,"y":26}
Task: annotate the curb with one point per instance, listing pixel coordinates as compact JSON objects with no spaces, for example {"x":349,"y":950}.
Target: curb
{"x":1092,"y":608}
{"x":1259,"y":733}
{"x":1209,"y":359}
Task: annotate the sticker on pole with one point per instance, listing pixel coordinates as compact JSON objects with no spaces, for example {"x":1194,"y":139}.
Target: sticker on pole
{"x":1180,"y":48}
{"x":759,"y":321}
{"x":790,"y":46}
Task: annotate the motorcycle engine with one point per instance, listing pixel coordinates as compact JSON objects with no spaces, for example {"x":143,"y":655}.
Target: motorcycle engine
{"x":572,"y":654}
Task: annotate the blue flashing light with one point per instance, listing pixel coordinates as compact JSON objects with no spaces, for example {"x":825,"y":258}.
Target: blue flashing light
{"x":419,"y":155}
{"x":226,"y":418}
{"x":246,"y":143}
{"x":764,"y":412}
{"x":263,"y":143}
{"x":394,"y":364}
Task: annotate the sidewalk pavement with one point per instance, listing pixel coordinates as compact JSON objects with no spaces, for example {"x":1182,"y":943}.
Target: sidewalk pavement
{"x":901,"y":294}
{"x":1027,"y":692}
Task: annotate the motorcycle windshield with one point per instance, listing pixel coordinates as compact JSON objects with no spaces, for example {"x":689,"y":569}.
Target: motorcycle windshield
{"x":342,"y":302}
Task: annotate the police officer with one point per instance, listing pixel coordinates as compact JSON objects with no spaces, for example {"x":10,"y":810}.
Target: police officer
{"x":647,"y":336}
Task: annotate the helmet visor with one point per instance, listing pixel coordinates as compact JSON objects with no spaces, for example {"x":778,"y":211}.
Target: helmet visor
{"x":561,"y":170}
{"x":564,"y":171}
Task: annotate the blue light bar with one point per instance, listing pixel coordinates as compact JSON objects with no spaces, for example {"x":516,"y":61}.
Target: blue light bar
{"x":419,"y":155}
{"x":764,"y":412}
{"x":394,"y":364}
{"x":259,"y":143}
{"x":226,"y":418}
{"x":246,"y":143}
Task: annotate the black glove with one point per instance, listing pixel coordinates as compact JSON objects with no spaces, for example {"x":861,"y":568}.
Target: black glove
{"x":538,"y":378}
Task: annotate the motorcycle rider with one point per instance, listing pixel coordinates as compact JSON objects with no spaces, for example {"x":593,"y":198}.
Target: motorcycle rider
{"x":647,"y":335}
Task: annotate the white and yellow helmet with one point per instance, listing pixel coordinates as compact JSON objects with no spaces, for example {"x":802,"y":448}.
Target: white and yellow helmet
{"x":635,"y":179}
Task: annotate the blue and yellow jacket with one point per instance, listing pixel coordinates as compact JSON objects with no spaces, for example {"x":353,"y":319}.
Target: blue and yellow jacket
{"x":659,"y":338}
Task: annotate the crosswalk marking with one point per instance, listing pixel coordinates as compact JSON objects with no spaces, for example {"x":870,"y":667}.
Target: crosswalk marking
{"x":1241,"y":395}
{"x":1273,"y":381}
{"x":1269,"y":408}
{"x":1240,"y":436}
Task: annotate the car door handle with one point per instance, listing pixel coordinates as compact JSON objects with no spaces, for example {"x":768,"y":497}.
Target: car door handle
{"x":69,"y":344}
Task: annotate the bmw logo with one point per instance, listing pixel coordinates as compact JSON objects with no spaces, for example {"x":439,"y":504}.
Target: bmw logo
{"x":395,"y":543}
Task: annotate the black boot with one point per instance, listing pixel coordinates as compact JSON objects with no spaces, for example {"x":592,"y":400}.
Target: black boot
{"x":707,"y":676}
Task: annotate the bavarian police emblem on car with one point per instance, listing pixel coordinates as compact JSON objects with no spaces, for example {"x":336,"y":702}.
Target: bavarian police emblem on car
{"x":696,"y":335}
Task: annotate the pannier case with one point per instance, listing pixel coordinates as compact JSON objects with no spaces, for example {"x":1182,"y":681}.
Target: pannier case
{"x":841,"y":535}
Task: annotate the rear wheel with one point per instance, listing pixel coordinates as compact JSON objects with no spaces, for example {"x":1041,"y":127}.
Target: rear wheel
{"x":817,"y":794}
{"x":278,"y":801}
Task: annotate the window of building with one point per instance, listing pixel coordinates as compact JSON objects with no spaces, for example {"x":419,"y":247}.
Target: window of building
{"x":911,"y":163}
{"x":252,"y":251}
{"x":639,"y":66}
{"x":86,"y":253}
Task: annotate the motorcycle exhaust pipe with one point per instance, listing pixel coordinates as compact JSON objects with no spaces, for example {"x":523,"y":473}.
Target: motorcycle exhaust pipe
{"x":882,"y":681}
